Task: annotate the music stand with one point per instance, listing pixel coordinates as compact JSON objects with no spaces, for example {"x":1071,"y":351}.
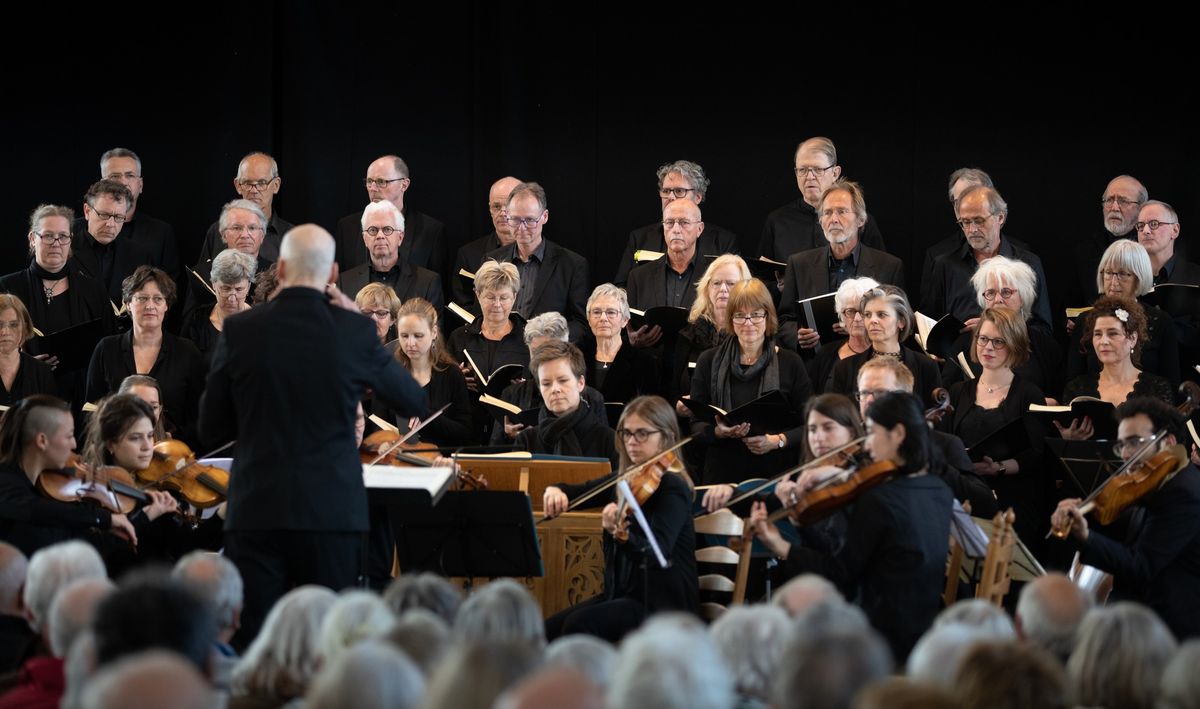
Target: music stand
{"x":471,"y":534}
{"x":1087,"y":463}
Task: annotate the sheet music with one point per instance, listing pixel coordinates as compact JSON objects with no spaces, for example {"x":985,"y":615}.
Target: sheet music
{"x":435,"y":481}
{"x":623,"y":487}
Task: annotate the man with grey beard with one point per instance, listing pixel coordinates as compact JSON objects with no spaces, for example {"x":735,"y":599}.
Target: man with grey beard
{"x":1119,"y":206}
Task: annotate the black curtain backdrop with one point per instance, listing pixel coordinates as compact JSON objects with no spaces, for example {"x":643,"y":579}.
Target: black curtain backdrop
{"x":468,"y":93}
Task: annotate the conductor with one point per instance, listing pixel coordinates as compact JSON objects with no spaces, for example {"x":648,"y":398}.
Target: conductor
{"x":285,"y":381}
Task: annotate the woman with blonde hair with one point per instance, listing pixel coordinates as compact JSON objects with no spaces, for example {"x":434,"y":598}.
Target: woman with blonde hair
{"x":707,"y":324}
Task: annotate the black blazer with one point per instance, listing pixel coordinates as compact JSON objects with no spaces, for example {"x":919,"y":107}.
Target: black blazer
{"x":948,"y":288}
{"x":129,"y":256}
{"x":157,"y":237}
{"x":179,"y":371}
{"x":33,"y":377}
{"x":713,"y":241}
{"x":269,"y":251}
{"x":413,"y":282}
{"x":926,"y":376}
{"x":562,"y":284}
{"x":285,"y":381}
{"x":807,"y":275}
{"x":646,"y":284}
{"x":794,"y":227}
{"x":469,"y":257}
{"x":424,"y":242}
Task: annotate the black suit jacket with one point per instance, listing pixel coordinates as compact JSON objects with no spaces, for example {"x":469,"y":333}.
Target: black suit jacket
{"x":269,"y":251}
{"x":646,"y":285}
{"x":285,"y":381}
{"x":807,"y":275}
{"x":424,"y":242}
{"x":413,"y":282}
{"x":469,"y":257}
{"x":1187,"y":328}
{"x":949,"y":288}
{"x":714,"y":241}
{"x":925,"y":373}
{"x":129,"y":256}
{"x":158,"y":237}
{"x":794,"y":227}
{"x":562,"y":284}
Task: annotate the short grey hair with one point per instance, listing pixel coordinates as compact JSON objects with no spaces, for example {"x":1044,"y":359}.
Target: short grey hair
{"x":120,"y":153}
{"x":13,"y":566}
{"x":215,"y":580}
{"x":687,"y":169}
{"x":668,"y":665}
{"x":386,"y":206}
{"x":307,"y":257}
{"x":850,"y":293}
{"x":828,"y":668}
{"x":1047,"y":617}
{"x":971,"y":174}
{"x":368,"y":675}
{"x":898,"y":300}
{"x":1127,"y":255}
{"x":1180,"y":685}
{"x":822,"y":145}
{"x":1142,"y":194}
{"x":424,"y":590}
{"x":232,"y":266}
{"x":503,"y":610}
{"x":1159,"y":203}
{"x":996,"y":203}
{"x":283,"y":658}
{"x":978,"y":613}
{"x":531,"y":189}
{"x":593,"y":657}
{"x":1119,"y":656}
{"x":611,"y":291}
{"x":422,"y":635}
{"x":936,"y":657}
{"x":551,"y":324}
{"x":750,"y":639}
{"x":51,"y":569}
{"x":72,"y":611}
{"x":223,"y":220}
{"x":43,"y":211}
{"x":355,"y":616}
{"x":151,"y":677}
{"x":1001,"y":270}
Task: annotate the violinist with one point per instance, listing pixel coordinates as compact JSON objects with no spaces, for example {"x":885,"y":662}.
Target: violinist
{"x":566,"y":424}
{"x":1159,"y":562}
{"x":38,"y":434}
{"x":893,"y":558}
{"x":647,"y":427}
{"x":147,"y":389}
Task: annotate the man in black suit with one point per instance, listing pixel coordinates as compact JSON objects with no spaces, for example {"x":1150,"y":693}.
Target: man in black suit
{"x":99,"y":250}
{"x":257,"y":180}
{"x":960,"y":180}
{"x":424,"y":244}
{"x":1157,"y":230}
{"x":681,"y":179}
{"x":671,"y":279}
{"x":1122,"y":199}
{"x":842,"y":211}
{"x":471,"y":254}
{"x":242,"y":226}
{"x":124,"y":166}
{"x":794,"y":226}
{"x":553,"y":278}
{"x":1158,"y":563}
{"x":382,"y":227}
{"x":285,"y":382}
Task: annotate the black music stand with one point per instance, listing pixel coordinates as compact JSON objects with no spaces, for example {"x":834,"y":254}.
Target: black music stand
{"x":471,"y":534}
{"x":1087,"y":463}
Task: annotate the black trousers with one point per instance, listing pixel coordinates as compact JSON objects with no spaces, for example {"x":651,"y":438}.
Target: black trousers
{"x":273,"y":562}
{"x":607,"y":619}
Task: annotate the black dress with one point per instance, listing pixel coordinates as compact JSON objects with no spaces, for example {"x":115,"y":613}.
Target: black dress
{"x":1044,"y":368}
{"x":820,"y":367}
{"x":926,"y":376}
{"x":33,"y":377}
{"x":1147,"y":384}
{"x":446,"y":386}
{"x":632,"y":373}
{"x":199,"y":329}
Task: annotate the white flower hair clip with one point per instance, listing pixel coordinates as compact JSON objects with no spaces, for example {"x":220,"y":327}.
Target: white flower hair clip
{"x":1122,"y":315}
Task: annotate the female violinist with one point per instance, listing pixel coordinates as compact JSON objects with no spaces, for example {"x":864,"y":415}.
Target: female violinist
{"x":146,"y":388}
{"x":646,"y":428}
{"x":894,"y":554}
{"x":1160,"y":566}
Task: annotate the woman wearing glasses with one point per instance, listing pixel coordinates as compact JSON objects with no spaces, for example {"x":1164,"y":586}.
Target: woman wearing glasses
{"x":619,"y":371}
{"x":848,"y":298}
{"x":737,"y":371}
{"x":646,"y":428}
{"x":999,"y":395}
{"x":173,"y":361}
{"x":707,"y":322}
{"x":380,"y":303}
{"x":232,"y":274}
{"x":1125,"y":272}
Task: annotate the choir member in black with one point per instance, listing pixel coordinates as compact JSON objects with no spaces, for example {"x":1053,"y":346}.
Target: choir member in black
{"x":21,"y":374}
{"x":848,"y":298}
{"x":1158,"y":563}
{"x":737,"y":371}
{"x":620,"y":371}
{"x":493,"y":339}
{"x":147,"y":389}
{"x":56,"y":294}
{"x":889,"y":321}
{"x":419,"y":349}
{"x":380,"y":303}
{"x":1001,"y":282}
{"x":566,"y":424}
{"x":707,"y":323}
{"x":996,"y":397}
{"x":232,"y":274}
{"x":1116,"y":329}
{"x":646,"y":428}
{"x":471,"y":254}
{"x":1124,"y":272}
{"x":35,"y":435}
{"x":893,"y":559}
{"x":173,"y":361}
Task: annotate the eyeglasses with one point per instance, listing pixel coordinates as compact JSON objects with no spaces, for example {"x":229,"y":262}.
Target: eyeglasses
{"x":608,"y":313}
{"x":105,"y":216}
{"x":141,"y":299}
{"x":1131,"y":444}
{"x":525,"y":222}
{"x":850,"y":313}
{"x":870,"y":394}
{"x":683,"y":223}
{"x":743,"y":318}
{"x":995,"y":342}
{"x":374,"y":230}
{"x":381,"y":183}
{"x":49,"y":237}
{"x":813,"y":171}
{"x":1005,"y":293}
{"x":255,"y":185}
{"x":676,"y":192}
{"x":1117,"y":275}
{"x":716,"y":285}
{"x":638,"y":434}
{"x":244,"y":229}
{"x":378,"y":314}
{"x":1154,"y":224}
{"x":975,"y":222}
{"x":1119,"y":201}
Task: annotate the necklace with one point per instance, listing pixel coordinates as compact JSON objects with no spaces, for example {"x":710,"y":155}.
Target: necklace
{"x":50,"y":292}
{"x":851,"y":347}
{"x":998,"y":387}
{"x":895,"y":354}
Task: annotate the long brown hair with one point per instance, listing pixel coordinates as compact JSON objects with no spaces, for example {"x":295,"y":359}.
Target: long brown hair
{"x":834,"y":406}
{"x":112,"y":418}
{"x":423,"y":309}
{"x":661,"y":417}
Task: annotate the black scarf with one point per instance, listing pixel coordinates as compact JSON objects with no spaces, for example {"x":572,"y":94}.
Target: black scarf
{"x":725,"y":365}
{"x":557,"y":433}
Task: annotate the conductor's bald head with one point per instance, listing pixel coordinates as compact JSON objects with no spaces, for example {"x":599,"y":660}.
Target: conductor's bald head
{"x":306,"y":257}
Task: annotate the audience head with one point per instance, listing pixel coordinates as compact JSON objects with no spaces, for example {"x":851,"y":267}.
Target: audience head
{"x":593,"y":657}
{"x":988,"y":618}
{"x":551,"y":688}
{"x":750,"y":639}
{"x":668,"y":664}
{"x":826,"y":666}
{"x":1009,"y":674}
{"x":369,"y":674}
{"x":1180,"y":685}
{"x":148,"y":612}
{"x":903,"y":693}
{"x":503,"y":610}
{"x":424,"y":590}
{"x":216,"y":581}
{"x":155,"y":679}
{"x":283,"y":659}
{"x":73,"y":609}
{"x":51,"y":570}
{"x":354,"y":617}
{"x":1119,"y":657}
{"x":423,"y":636}
{"x":803,"y":592}
{"x":1049,"y":611}
{"x":936,"y":656}
{"x":13,"y":566}
{"x":476,"y":673}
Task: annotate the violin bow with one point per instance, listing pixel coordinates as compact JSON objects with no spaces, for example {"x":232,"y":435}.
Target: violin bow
{"x":387,"y":450}
{"x":613,"y":481}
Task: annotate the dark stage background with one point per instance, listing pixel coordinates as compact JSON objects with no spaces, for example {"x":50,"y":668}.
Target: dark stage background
{"x":468,"y":94}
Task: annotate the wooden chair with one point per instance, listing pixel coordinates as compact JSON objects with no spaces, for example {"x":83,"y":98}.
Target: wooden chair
{"x":723,"y":523}
{"x":994,"y":578}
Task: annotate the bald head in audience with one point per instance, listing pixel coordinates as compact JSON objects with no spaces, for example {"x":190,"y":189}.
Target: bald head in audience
{"x":306,"y":258}
{"x":552,"y":688}
{"x":1049,"y":612}
{"x":803,"y":592}
{"x":150,"y":680}
{"x":217,"y":582}
{"x":13,"y":566}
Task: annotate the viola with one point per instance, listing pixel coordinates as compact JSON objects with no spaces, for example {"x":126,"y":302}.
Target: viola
{"x":935,"y":415}
{"x":174,"y":468}
{"x":627,"y":475}
{"x":644,"y":483}
{"x":835,"y":492}
{"x":109,"y":486}
{"x":390,"y":448}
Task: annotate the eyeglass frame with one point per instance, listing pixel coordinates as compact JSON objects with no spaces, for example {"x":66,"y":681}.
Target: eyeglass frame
{"x":54,"y":238}
{"x":641,"y":435}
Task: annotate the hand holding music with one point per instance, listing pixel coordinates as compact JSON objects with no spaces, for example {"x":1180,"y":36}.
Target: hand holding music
{"x":644,"y":336}
{"x":1068,"y":513}
{"x":723,"y":430}
{"x":807,"y":338}
{"x":469,"y":375}
{"x":512,"y":429}
{"x":759,"y":445}
{"x":554,"y":502}
{"x":682,"y":410}
{"x":1078,"y":430}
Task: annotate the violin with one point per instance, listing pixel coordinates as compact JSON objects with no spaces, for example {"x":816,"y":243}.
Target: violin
{"x":1142,"y":474}
{"x":109,"y":486}
{"x":390,"y":448}
{"x":174,"y":468}
{"x":627,"y":475}
{"x":644,"y":483}
{"x":836,"y":491}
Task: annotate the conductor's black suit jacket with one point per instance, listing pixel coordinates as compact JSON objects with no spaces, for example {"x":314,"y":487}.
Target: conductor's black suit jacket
{"x":285,"y":380}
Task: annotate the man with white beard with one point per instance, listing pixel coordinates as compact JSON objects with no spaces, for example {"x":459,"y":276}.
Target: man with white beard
{"x":1119,"y":206}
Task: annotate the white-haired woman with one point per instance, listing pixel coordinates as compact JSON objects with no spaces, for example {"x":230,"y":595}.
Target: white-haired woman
{"x":232,"y":274}
{"x":285,"y":655}
{"x":847,"y":301}
{"x":621,"y":373}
